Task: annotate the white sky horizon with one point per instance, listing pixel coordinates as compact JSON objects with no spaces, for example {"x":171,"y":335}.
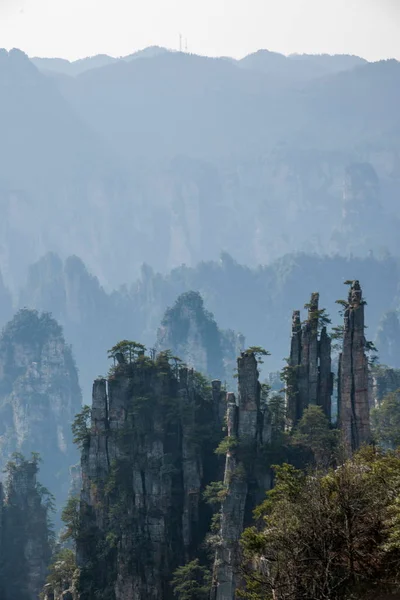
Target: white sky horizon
{"x":75,"y":29}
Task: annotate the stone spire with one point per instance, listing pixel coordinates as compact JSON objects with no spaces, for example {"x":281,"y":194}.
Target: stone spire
{"x":325,"y":375}
{"x":311,"y":380}
{"x":244,"y":424}
{"x":292,"y":395}
{"x":353,"y":375}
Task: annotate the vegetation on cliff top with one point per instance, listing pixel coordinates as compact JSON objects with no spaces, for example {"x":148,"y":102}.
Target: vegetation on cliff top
{"x":329,"y":534}
{"x":27,"y":536}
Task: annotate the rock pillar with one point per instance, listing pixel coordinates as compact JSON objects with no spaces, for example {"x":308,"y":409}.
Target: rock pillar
{"x":353,"y":375}
{"x":243,"y":423}
{"x":310,"y":380}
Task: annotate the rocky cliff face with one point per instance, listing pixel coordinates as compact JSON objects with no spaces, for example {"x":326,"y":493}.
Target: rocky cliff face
{"x":39,"y":396}
{"x":191,"y":333}
{"x":353,"y":401}
{"x":25,"y":537}
{"x":147,"y":457}
{"x":244,"y":480}
{"x":195,"y":184}
{"x":309,"y":367}
{"x":77,"y":301}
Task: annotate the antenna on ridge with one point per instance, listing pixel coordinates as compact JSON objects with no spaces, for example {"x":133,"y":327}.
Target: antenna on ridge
{"x":186,"y":46}
{"x":180,"y":42}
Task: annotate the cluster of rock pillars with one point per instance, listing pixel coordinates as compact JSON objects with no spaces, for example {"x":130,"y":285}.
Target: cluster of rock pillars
{"x":161,"y":503}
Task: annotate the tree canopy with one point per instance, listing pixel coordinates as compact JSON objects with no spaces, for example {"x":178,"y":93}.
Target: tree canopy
{"x":329,"y":536}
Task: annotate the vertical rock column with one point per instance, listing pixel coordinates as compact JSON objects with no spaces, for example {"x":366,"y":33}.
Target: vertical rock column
{"x":191,"y":465}
{"x":325,"y":375}
{"x":232,"y":515}
{"x":219,"y":401}
{"x":25,"y":543}
{"x":311,"y":327}
{"x":292,"y":394}
{"x":249,"y":397}
{"x":353,"y":376}
{"x":144,"y":467}
{"x":311,"y":380}
{"x":243,"y":418}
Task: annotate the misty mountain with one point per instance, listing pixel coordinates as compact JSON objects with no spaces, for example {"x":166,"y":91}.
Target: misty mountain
{"x":76,"y":67}
{"x":330,"y":63}
{"x":173,"y":158}
{"x":298,"y":66}
{"x":257,"y":302}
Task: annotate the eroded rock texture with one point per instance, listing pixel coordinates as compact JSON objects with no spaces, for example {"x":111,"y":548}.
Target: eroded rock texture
{"x":39,"y":397}
{"x":24,"y":543}
{"x":148,"y":456}
{"x":309,"y":369}
{"x":244,"y":481}
{"x":353,"y":401}
{"x":190,"y":332}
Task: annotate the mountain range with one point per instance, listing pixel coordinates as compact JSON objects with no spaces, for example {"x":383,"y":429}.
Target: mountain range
{"x":170,"y":158}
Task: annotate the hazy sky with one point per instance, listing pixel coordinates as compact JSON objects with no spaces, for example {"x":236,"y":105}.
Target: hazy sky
{"x":77,"y":28}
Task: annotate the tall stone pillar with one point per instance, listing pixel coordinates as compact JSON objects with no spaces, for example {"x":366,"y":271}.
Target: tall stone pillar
{"x":311,"y":380}
{"x":292,"y":395}
{"x":243,"y":422}
{"x":325,"y":375}
{"x":353,"y":389}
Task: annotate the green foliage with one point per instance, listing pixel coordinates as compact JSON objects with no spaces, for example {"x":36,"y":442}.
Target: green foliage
{"x":344,"y":306}
{"x":47,"y":500}
{"x":343,"y":303}
{"x":81,"y":427}
{"x":128,"y":350}
{"x":337,"y":337}
{"x":30,"y":326}
{"x":319,"y":318}
{"x":156,"y":416}
{"x":334,"y":536}
{"x":385,"y":421}
{"x":215,"y":493}
{"x":202,"y":386}
{"x":276,"y":446}
{"x":314,"y":434}
{"x":18,"y":462}
{"x":192,"y":582}
{"x":370,"y":347}
{"x":226,"y":445}
{"x":277,"y":414}
{"x":258,"y":352}
{"x":264,"y":393}
{"x":61,"y":570}
{"x":71,"y":520}
{"x":288,"y":484}
{"x":372,"y":353}
{"x":25,"y":521}
{"x":289,"y":377}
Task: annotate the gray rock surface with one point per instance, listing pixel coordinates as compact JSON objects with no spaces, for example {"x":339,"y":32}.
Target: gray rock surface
{"x":143,"y":474}
{"x":311,"y":378}
{"x":39,"y":397}
{"x":353,"y":401}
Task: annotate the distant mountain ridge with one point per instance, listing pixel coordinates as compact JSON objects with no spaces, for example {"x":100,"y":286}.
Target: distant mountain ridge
{"x":76,"y":67}
{"x":307,"y":65}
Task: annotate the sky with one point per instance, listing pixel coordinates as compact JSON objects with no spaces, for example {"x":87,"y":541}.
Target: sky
{"x":76,"y":28}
